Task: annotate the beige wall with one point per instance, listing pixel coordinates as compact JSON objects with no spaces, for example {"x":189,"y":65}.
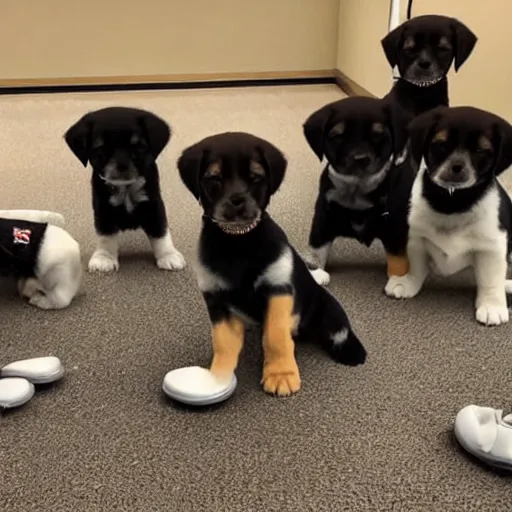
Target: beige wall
{"x":362,"y":24}
{"x":484,"y":81}
{"x":66,"y":38}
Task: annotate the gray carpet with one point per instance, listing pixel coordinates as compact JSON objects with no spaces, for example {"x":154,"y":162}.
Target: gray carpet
{"x":375,"y":438}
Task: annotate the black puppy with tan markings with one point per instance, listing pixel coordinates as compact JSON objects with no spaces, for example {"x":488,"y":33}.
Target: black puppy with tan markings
{"x":247,"y":270}
{"x":365,"y":185}
{"x":460,"y":215}
{"x":423,"y":49}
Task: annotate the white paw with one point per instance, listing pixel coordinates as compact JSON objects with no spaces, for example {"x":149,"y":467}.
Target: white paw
{"x":489,"y":314}
{"x":171,"y":261}
{"x":103,"y":262}
{"x":321,"y":276}
{"x":402,"y":287}
{"x":40,"y":300}
{"x":28,"y":287}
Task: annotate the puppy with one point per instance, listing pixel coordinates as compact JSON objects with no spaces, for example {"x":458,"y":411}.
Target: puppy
{"x":365,"y":185}
{"x":45,"y":259}
{"x":460,"y":215}
{"x":248,"y":272}
{"x":122,"y":145}
{"x":424,"y":48}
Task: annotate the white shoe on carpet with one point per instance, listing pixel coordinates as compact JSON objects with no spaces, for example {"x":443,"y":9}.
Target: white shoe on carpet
{"x":15,"y":392}
{"x":486,"y":433}
{"x":39,"y":370}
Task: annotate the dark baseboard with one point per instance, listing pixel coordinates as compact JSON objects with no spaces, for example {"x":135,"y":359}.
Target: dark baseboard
{"x":155,"y":86}
{"x":177,"y":82}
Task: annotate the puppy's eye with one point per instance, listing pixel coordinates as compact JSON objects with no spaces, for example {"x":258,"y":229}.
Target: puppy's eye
{"x":439,"y":147}
{"x":98,"y":151}
{"x":255,"y":178}
{"x":138,"y":149}
{"x":213,"y":181}
{"x":213,"y":178}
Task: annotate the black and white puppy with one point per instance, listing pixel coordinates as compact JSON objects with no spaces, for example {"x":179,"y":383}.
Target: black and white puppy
{"x":122,"y":145}
{"x":423,"y":49}
{"x":247,"y":270}
{"x":365,"y":185}
{"x":44,"y":258}
{"x":460,"y":215}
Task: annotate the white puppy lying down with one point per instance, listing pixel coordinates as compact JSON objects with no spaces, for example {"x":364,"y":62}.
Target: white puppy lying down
{"x":41,"y":255}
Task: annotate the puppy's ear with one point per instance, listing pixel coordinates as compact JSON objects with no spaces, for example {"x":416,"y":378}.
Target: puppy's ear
{"x":420,"y":129}
{"x":156,"y":131}
{"x":391,"y":44}
{"x":398,"y":120}
{"x":189,"y":167}
{"x":503,"y":140}
{"x":315,"y":129}
{"x":275,"y":162}
{"x":78,"y":138}
{"x":464,"y":41}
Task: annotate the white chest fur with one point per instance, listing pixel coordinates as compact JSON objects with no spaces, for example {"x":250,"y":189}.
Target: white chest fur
{"x":451,"y":241}
{"x":129,"y":195}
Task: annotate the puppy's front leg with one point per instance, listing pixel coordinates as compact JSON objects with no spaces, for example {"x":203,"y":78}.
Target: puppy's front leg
{"x":397,"y":264}
{"x":321,"y":239}
{"x":227,"y":337}
{"x":166,"y":255}
{"x":155,"y":226}
{"x":490,"y":276}
{"x":408,"y":285}
{"x":280,"y":371}
{"x":105,"y":257}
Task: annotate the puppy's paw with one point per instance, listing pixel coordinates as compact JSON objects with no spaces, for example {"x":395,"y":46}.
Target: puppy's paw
{"x":402,"y":287}
{"x":171,"y":261}
{"x":490,"y":314}
{"x":39,"y":300}
{"x":28,"y":287}
{"x":281,"y":384}
{"x":347,"y":349}
{"x":102,"y":261}
{"x":321,"y":276}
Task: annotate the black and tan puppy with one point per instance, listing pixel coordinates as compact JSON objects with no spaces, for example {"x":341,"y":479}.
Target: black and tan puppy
{"x":423,"y":49}
{"x":248,"y":271}
{"x":122,"y":145}
{"x":365,"y":185}
{"x":460,"y":216}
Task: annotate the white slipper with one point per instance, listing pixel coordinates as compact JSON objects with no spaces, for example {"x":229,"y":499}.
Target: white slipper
{"x":39,"y":370}
{"x":15,"y":392}
{"x":486,"y":433}
{"x":194,"y":385}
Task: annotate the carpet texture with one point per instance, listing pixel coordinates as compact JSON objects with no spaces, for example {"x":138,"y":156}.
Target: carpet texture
{"x":376,"y":438}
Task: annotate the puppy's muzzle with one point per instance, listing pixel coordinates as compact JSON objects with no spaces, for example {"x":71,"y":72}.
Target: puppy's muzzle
{"x":424,"y":73}
{"x":237,"y":214}
{"x":455,"y":173}
{"x":120,"y":172}
{"x":361,"y":160}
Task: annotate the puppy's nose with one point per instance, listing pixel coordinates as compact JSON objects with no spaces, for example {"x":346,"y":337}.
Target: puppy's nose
{"x":457,"y":168}
{"x":362,"y":159}
{"x":424,"y":63}
{"x":237,"y":200}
